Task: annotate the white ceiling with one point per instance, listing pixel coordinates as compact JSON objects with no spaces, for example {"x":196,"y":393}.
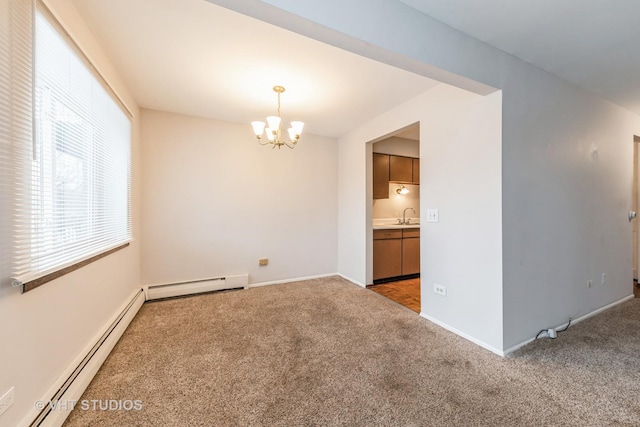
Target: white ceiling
{"x":196,"y":58}
{"x":193,"y":57}
{"x":593,"y":44}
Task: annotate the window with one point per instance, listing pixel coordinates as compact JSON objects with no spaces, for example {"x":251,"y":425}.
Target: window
{"x":74,"y":201}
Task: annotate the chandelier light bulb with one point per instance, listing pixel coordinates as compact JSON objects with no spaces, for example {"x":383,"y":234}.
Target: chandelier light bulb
{"x":274,"y":122}
{"x":258,"y":128}
{"x":297,"y":127}
{"x":271,"y":134}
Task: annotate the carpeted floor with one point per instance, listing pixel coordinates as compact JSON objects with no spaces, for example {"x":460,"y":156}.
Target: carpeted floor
{"x":327,"y":352}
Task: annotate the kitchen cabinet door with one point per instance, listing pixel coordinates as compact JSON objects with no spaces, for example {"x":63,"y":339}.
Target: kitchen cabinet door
{"x":387,"y":258}
{"x":401,"y":169}
{"x":410,"y":255}
{"x":416,"y":171}
{"x":380,"y":176}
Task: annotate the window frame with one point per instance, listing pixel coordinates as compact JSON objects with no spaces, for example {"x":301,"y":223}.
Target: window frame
{"x":33,"y":279}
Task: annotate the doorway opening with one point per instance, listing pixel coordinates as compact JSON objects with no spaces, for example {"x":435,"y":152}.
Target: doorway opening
{"x":395,"y":208}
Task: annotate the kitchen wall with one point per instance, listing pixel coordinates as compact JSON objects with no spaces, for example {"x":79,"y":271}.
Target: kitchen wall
{"x":566,"y":157}
{"x":393,"y":207}
{"x":396,"y":203}
{"x":398,"y":146}
{"x":43,"y":331}
{"x":215,"y":201}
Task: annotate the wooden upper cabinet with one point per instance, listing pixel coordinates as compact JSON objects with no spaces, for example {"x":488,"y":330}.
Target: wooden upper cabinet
{"x":388,"y":168}
{"x":400,"y":169}
{"x":380,"y":176}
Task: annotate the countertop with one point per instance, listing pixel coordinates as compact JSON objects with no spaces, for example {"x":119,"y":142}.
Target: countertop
{"x":392,"y":224}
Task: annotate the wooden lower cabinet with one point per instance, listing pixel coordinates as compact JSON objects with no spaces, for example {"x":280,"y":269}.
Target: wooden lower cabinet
{"x":396,"y":253}
{"x":387,"y":253}
{"x":410,"y":256}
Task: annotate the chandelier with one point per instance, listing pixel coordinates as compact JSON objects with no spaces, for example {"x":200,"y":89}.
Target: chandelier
{"x":274,"y":135}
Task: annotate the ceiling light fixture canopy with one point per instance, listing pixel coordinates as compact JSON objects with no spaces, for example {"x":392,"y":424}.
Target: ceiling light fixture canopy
{"x":273,"y":132}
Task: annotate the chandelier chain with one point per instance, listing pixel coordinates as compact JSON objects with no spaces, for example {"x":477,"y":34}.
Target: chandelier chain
{"x":278,"y":104}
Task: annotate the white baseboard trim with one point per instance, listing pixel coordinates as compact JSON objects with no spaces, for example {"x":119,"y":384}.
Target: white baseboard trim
{"x":104,"y":341}
{"x":295,"y":279}
{"x":354,"y":281}
{"x":573,"y":322}
{"x":463,"y":335}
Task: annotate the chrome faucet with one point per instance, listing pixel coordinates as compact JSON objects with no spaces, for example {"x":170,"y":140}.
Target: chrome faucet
{"x":404,"y":216}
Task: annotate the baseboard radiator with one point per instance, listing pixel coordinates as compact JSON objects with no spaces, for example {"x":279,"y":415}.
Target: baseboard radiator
{"x":69,"y":388}
{"x":170,"y":290}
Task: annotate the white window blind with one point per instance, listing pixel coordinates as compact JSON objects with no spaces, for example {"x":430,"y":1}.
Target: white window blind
{"x":74,"y":201}
{"x":15,"y":116}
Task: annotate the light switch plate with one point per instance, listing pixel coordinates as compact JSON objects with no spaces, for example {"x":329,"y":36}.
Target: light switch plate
{"x":433,"y":215}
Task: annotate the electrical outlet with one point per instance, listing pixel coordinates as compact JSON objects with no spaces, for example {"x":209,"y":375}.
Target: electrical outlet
{"x":589,"y":283}
{"x":6,"y":400}
{"x":604,"y":279}
{"x":263,"y":261}
{"x":440,"y":290}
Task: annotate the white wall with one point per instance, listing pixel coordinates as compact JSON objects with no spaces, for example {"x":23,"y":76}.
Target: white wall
{"x":43,"y":331}
{"x":460,"y":167}
{"x":462,"y":178}
{"x":564,"y":210}
{"x":215,"y":201}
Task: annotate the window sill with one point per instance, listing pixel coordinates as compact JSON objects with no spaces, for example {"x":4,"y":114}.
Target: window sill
{"x":31,"y":285}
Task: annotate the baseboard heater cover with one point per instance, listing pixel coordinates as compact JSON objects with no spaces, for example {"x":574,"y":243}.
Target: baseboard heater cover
{"x":197,"y":286}
{"x":75,"y":384}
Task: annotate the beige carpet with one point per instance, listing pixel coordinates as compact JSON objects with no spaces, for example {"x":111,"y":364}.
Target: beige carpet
{"x":327,"y":352}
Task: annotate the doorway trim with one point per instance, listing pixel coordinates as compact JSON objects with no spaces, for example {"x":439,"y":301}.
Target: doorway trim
{"x":635,"y":201}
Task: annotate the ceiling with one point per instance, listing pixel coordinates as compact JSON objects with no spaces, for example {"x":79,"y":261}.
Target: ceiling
{"x":196,"y":58}
{"x":590,"y":43}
